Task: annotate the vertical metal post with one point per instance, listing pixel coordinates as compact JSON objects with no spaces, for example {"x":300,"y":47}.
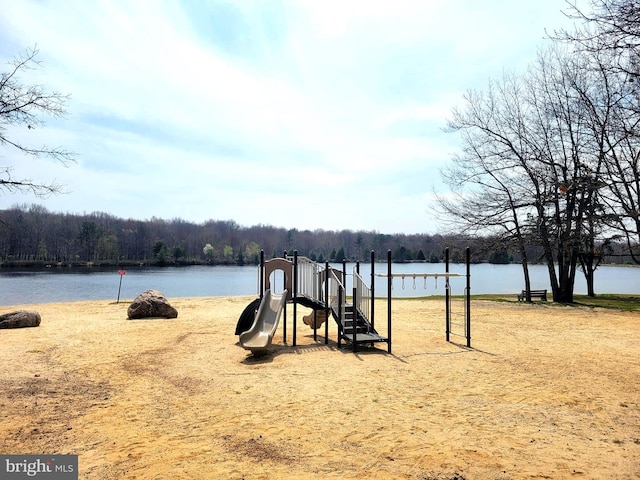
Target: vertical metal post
{"x":373,"y":290}
{"x":284,"y":313}
{"x":344,"y":276}
{"x":295,"y":294}
{"x":340,"y":303}
{"x":261,"y":275}
{"x":447,"y":294}
{"x":355,"y":319}
{"x":316,"y":295}
{"x":326,"y":303}
{"x":468,"y":298}
{"x":315,"y":325}
{"x":389,"y":285}
{"x":356,"y":304}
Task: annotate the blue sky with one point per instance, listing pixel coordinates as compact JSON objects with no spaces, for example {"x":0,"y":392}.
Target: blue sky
{"x":298,"y":114}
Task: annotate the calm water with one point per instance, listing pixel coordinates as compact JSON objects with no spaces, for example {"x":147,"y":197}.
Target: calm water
{"x":55,"y":285}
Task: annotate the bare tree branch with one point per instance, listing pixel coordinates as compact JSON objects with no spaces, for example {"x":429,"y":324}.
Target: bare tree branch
{"x":22,"y":104}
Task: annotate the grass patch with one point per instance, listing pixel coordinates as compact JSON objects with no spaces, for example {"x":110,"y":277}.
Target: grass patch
{"x":625,"y":303}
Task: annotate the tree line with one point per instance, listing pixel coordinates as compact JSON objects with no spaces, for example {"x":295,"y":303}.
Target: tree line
{"x":30,"y":235}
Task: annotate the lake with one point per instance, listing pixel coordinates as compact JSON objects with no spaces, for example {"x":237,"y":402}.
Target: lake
{"x":68,"y":285}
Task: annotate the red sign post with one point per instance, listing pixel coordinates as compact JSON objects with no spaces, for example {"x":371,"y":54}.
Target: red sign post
{"x":122,"y":273}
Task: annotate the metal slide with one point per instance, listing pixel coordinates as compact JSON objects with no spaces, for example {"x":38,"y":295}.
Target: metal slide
{"x":259,"y":336}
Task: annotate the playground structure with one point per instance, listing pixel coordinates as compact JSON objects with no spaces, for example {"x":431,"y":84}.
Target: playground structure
{"x":323,"y":289}
{"x":457,"y":324}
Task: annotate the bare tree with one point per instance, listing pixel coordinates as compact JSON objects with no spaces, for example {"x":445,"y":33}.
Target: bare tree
{"x":611,"y":27}
{"x":622,"y":196}
{"x":610,"y":33}
{"x":489,"y":196}
{"x":531,"y":164}
{"x":24,"y":105}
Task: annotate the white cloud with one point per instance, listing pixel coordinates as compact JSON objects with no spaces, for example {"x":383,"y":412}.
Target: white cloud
{"x":246,"y":111}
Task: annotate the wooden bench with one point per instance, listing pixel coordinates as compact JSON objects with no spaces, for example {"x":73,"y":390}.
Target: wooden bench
{"x":541,"y":294}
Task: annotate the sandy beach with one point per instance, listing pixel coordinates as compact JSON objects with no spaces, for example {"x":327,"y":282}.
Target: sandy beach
{"x":546,"y":391}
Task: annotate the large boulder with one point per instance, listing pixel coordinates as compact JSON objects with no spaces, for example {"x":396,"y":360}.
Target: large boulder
{"x":151,"y":304}
{"x":20,"y":319}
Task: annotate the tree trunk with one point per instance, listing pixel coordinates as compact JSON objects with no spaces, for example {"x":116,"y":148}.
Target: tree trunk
{"x":525,"y":266}
{"x":567,"y":261}
{"x":590,"y":290}
{"x":527,"y":279}
{"x":548,"y":256}
{"x":589,"y":263}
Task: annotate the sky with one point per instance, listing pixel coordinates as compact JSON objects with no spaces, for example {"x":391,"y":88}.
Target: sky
{"x":315,"y":114}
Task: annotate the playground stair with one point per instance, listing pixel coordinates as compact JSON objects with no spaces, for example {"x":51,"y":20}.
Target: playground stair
{"x":355,"y":328}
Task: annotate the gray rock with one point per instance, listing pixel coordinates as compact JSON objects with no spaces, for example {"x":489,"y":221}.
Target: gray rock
{"x":151,"y":304}
{"x":20,"y":319}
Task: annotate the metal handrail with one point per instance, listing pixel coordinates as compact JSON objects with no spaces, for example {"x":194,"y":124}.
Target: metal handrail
{"x":336,"y":294}
{"x":308,"y":279}
{"x":363,"y":295}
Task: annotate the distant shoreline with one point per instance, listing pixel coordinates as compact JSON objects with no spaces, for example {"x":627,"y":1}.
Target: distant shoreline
{"x":103,"y":264}
{"x":37,"y":265}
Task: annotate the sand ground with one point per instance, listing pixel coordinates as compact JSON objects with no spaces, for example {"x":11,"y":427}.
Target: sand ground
{"x":544,"y":392}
